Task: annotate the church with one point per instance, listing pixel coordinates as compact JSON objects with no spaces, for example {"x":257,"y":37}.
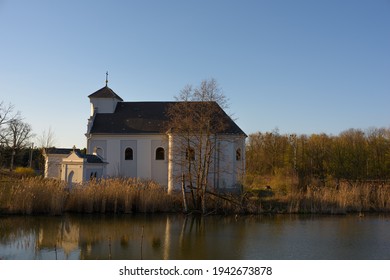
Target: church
{"x":135,"y":139}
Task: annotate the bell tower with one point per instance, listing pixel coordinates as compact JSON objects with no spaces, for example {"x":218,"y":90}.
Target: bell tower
{"x":103,"y":101}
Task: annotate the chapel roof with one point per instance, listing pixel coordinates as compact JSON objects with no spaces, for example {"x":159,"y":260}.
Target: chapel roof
{"x":59,"y":151}
{"x":146,"y":118}
{"x":105,"y":92}
{"x":90,"y":158}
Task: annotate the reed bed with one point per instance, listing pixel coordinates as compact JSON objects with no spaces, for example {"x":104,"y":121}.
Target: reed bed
{"x":346,"y":198}
{"x":43,"y":196}
{"x":35,"y":195}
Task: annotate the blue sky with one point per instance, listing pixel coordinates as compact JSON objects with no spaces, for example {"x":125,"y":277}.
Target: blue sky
{"x":300,"y":66}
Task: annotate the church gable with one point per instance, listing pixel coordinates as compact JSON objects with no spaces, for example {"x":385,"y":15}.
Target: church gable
{"x":78,"y":157}
{"x":73,"y":157}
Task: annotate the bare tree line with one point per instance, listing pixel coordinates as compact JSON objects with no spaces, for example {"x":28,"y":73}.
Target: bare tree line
{"x":16,"y":138}
{"x":15,"y":134}
{"x":353,"y":155}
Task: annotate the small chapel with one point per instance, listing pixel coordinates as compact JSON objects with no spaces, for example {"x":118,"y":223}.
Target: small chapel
{"x":133,"y":139}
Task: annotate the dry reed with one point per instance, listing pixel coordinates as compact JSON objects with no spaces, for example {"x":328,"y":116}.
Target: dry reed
{"x":346,"y":198}
{"x":43,"y":196}
{"x":36,"y":195}
{"x":33,"y":196}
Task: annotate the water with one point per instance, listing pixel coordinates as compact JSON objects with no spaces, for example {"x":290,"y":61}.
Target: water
{"x":180,"y":237}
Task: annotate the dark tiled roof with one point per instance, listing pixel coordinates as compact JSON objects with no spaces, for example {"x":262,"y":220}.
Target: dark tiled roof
{"x":57,"y":151}
{"x":145,"y":117}
{"x":90,"y":158}
{"x":105,"y":92}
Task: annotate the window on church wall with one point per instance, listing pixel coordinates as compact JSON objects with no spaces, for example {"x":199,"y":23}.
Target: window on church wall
{"x":190,"y":154}
{"x":160,"y":153}
{"x":129,"y":154}
{"x":93,"y":175}
{"x":98,"y":151}
{"x":238,"y":154}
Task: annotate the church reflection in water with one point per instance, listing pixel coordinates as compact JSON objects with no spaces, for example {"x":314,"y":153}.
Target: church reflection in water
{"x":175,"y":237}
{"x":110,"y":237}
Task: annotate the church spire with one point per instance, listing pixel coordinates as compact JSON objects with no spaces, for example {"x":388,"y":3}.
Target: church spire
{"x":106,"y":78}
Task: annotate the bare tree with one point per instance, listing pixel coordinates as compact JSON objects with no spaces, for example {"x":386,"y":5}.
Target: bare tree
{"x":196,"y":122}
{"x":46,"y":139}
{"x":17,"y":136}
{"x":6,"y":116}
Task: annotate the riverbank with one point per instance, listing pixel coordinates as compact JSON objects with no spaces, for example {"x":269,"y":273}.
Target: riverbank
{"x":35,"y":195}
{"x":345,"y":198}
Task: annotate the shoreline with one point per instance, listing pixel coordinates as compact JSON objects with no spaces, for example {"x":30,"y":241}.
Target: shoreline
{"x":35,"y":195}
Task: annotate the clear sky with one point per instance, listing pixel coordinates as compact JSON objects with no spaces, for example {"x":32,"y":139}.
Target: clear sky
{"x":300,"y":66}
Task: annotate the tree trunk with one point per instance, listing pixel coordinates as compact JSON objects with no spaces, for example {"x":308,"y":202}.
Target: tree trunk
{"x":12,"y":160}
{"x":184,"y":193}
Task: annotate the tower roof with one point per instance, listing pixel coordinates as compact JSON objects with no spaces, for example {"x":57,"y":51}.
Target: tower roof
{"x":105,"y":92}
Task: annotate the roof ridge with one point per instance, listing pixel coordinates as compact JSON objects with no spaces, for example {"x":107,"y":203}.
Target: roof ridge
{"x":105,"y":92}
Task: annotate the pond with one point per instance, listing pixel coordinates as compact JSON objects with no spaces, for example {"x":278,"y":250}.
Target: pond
{"x":172,"y":237}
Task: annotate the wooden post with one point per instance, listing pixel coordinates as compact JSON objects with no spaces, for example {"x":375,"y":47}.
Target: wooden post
{"x":183,"y":190}
{"x":55,"y":250}
{"x":109,"y":248}
{"x":142,"y":241}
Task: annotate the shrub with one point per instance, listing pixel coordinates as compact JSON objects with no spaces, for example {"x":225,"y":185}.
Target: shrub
{"x":25,"y":171}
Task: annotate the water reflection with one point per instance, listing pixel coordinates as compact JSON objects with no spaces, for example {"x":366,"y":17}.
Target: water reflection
{"x":194,"y":237}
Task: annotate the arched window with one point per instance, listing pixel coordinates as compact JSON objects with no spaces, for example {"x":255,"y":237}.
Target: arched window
{"x":238,"y":154}
{"x":160,"y":153}
{"x":98,"y":151}
{"x":129,"y":154}
{"x":190,"y":154}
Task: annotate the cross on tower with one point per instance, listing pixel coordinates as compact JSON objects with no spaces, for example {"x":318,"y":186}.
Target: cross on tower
{"x":106,"y":78}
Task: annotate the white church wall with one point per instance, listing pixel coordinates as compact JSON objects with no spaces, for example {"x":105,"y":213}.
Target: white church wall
{"x":72,"y":173}
{"x":93,"y":171}
{"x":239,"y":166}
{"x":103,"y":105}
{"x":128,"y":167}
{"x":109,"y":151}
{"x":112,"y":156}
{"x":159,"y":167}
{"x":141,"y":166}
{"x":226,"y":172}
{"x":53,"y":165}
{"x":225,"y":164}
{"x":98,"y":146}
{"x":144,"y":167}
{"x":224,"y":168}
{"x":230,"y":167}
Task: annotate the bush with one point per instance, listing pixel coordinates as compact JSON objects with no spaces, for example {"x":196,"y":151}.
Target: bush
{"x":25,"y":171}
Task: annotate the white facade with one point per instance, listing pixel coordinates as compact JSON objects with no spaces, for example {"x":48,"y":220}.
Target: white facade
{"x":226,"y":171}
{"x":53,"y":165}
{"x":129,"y":139}
{"x":77,"y":169}
{"x":226,"y":167}
{"x":143,"y":163}
{"x":99,"y":105}
{"x":71,"y":166}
